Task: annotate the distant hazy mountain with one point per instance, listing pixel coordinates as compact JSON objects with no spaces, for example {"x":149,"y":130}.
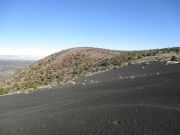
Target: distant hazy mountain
{"x":20,"y":57}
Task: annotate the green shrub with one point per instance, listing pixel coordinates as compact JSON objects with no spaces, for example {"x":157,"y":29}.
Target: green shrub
{"x":177,"y":51}
{"x":3,"y":91}
{"x":31,"y":85}
{"x":174,"y":58}
{"x":120,"y":63}
{"x":139,"y":56}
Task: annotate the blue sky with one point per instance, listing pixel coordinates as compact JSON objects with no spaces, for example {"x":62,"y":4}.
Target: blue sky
{"x":41,"y":27}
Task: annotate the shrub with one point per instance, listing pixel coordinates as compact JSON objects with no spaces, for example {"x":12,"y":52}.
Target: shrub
{"x":174,"y":58}
{"x":139,"y":56}
{"x":3,"y":91}
{"x":105,"y":63}
{"x":120,"y":63}
{"x":31,"y":85}
{"x":177,"y":50}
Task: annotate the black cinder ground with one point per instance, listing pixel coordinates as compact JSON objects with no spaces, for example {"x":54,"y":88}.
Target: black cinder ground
{"x":146,"y":105}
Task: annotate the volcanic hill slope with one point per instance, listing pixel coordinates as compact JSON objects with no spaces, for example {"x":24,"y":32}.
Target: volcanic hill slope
{"x":140,"y":98}
{"x":70,"y":64}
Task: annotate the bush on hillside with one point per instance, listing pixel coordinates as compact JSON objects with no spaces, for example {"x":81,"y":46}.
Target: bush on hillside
{"x":174,"y":58}
{"x":3,"y":91}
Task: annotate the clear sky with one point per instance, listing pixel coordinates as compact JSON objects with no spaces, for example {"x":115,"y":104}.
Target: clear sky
{"x":41,"y":27}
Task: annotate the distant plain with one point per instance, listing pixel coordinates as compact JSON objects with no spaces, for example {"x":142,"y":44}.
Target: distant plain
{"x":10,"y":67}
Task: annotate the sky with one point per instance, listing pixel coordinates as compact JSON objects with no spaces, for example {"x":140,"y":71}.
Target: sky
{"x":42,"y":27}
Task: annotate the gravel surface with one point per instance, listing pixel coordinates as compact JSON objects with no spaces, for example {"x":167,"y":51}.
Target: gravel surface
{"x":146,"y":104}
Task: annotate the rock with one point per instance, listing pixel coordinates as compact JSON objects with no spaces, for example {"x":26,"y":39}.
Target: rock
{"x":172,"y":62}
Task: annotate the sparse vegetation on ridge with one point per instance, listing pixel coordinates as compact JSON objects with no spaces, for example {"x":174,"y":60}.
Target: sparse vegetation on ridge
{"x":72,"y":63}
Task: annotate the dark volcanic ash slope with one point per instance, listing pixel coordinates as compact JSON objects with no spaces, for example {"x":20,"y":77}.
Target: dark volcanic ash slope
{"x":130,"y":72}
{"x":145,"y":105}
